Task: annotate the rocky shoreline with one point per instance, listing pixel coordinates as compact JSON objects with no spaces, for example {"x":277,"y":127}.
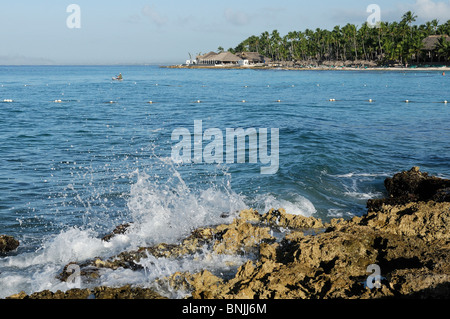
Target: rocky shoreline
{"x":311,"y":68}
{"x":399,"y":249}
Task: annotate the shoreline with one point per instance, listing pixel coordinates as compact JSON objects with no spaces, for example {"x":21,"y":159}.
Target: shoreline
{"x":404,"y":238}
{"x":318,"y":68}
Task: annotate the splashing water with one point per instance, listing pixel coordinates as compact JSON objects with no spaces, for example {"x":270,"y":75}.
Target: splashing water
{"x":160,"y":211}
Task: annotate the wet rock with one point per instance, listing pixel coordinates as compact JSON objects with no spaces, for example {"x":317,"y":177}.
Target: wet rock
{"x":425,"y":220}
{"x":279,"y":217}
{"x":250,"y":215}
{"x":121,"y":229}
{"x":412,"y":186}
{"x":87,"y":272}
{"x":333,"y":265}
{"x":442,"y":195}
{"x":406,"y":236}
{"x":415,"y":185}
{"x":8,"y":244}
{"x":202,"y":285}
{"x":410,"y":243}
{"x":126,"y":292}
{"x":240,"y":237}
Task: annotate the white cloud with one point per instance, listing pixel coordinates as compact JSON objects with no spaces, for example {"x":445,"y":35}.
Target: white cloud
{"x":427,"y":10}
{"x":237,"y":18}
{"x":151,"y":13}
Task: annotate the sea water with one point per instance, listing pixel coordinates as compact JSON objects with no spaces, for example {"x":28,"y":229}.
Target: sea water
{"x":81,"y":154}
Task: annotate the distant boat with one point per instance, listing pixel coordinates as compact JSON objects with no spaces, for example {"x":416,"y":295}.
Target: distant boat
{"x":118,"y":78}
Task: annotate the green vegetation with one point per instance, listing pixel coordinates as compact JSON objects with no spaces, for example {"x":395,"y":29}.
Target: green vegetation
{"x":396,"y":42}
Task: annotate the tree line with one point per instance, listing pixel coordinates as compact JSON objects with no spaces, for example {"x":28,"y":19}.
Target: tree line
{"x":395,"y":42}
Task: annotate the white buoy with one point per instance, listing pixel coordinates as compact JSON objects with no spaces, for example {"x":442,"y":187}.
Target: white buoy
{"x":332,"y":100}
{"x":150,"y":102}
{"x":278,"y":101}
{"x":406,"y":101}
{"x":243,"y":101}
{"x":445,"y":102}
{"x":370,"y":100}
{"x":198,"y":101}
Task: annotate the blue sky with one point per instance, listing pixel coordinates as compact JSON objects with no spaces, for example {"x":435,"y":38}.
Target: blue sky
{"x":141,"y":31}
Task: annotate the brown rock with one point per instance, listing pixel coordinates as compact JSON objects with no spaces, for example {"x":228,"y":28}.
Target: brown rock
{"x":279,"y":217}
{"x":250,"y":215}
{"x":412,"y":186}
{"x":126,"y":292}
{"x":426,"y":220}
{"x":121,"y":229}
{"x":406,"y":235}
{"x":240,"y":237}
{"x":8,"y":243}
{"x":415,"y":185}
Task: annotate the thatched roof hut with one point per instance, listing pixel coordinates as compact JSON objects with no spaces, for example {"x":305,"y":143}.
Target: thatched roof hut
{"x":227,"y":57}
{"x":430,"y":42}
{"x":252,"y":57}
{"x":218,"y":58}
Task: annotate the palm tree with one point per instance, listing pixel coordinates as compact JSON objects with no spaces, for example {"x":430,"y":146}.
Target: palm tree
{"x":443,"y":48}
{"x":275,"y":40}
{"x":397,"y":41}
{"x":434,"y":24}
{"x":336,"y":36}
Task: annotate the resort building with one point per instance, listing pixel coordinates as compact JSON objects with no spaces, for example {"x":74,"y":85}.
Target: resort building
{"x":251,"y":57}
{"x":430,"y":47}
{"x":223,"y":58}
{"x":207,"y":58}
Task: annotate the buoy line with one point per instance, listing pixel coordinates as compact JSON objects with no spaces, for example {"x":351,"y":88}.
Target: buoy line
{"x":241,"y":101}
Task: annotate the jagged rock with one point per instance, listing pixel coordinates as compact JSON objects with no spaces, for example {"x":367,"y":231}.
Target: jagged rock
{"x":333,"y":265}
{"x":87,"y":272}
{"x":412,"y":186}
{"x":240,"y":237}
{"x":121,"y":229}
{"x":407,"y":236}
{"x":203,"y":285}
{"x":426,"y":220}
{"x":8,"y":243}
{"x":410,"y":244}
{"x":250,"y":215}
{"x":126,"y":292}
{"x":279,"y":217}
{"x":415,"y":184}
